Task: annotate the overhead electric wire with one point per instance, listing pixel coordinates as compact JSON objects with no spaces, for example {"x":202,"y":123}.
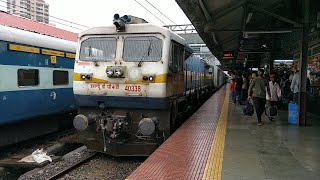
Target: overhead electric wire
{"x":150,"y":12}
{"x":160,"y":12}
{"x":65,"y":24}
{"x":48,"y":16}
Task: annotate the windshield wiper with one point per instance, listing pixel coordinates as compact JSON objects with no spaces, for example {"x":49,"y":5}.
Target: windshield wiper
{"x":147,"y":53}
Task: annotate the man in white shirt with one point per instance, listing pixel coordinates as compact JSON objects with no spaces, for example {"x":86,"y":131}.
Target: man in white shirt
{"x":295,"y":86}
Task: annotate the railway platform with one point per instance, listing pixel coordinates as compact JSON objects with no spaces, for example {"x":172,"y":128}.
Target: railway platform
{"x":219,"y":142}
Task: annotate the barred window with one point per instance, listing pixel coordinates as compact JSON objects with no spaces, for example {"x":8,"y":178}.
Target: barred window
{"x":102,"y":49}
{"x":60,"y":77}
{"x":142,"y":49}
{"x":28,"y":77}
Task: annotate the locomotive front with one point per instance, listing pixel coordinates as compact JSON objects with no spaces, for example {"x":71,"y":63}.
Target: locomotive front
{"x":120,"y":87}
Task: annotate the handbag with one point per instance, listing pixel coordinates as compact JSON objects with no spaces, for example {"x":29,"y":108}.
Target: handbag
{"x":271,"y":110}
{"x":248,"y":109}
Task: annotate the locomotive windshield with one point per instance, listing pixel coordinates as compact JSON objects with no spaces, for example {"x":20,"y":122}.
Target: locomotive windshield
{"x":148,"y":49}
{"x":98,"y":49}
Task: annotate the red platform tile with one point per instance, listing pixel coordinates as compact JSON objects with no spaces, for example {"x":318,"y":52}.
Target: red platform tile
{"x":184,"y":155}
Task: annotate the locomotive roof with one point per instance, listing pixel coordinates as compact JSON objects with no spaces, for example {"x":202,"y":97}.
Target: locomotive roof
{"x":134,"y":28}
{"x":34,"y":39}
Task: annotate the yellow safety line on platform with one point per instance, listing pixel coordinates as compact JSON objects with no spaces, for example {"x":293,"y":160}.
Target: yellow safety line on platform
{"x":213,"y":168}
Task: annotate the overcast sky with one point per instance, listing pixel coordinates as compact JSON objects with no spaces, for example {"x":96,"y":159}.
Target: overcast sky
{"x":100,"y":12}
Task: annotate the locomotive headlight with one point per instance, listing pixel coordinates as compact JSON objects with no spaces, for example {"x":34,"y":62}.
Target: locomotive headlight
{"x":145,"y":78}
{"x":83,"y":77}
{"x":134,"y":73}
{"x":151,"y":78}
{"x":109,"y":71}
{"x":88,"y":76}
{"x":118,"y":71}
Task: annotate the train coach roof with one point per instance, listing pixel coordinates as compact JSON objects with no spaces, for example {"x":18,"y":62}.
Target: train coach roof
{"x":34,"y":39}
{"x":36,"y":27}
{"x":134,"y":28}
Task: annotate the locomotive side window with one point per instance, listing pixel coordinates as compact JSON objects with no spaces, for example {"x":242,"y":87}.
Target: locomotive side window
{"x":60,"y":77}
{"x":177,"y":55}
{"x":147,"y":49}
{"x":98,"y":49}
{"x":28,"y":77}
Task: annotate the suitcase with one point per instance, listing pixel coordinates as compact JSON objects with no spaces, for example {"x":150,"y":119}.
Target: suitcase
{"x":293,"y":113}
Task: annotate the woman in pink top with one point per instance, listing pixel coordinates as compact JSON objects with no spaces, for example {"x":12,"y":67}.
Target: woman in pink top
{"x":273,"y":94}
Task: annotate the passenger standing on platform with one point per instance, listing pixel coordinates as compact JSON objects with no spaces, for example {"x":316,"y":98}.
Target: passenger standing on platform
{"x":258,"y":87}
{"x":239,"y":84}
{"x":233,"y":90}
{"x":273,"y":94}
{"x":295,"y":86}
{"x":244,"y":92}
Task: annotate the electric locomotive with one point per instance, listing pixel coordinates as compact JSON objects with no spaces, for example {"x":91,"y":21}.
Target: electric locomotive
{"x":132,"y":81}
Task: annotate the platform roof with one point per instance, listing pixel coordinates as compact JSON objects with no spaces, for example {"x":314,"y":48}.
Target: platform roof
{"x":243,"y":25}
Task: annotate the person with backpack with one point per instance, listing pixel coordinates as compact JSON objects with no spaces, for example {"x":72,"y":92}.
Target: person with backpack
{"x":258,"y":90}
{"x":273,"y":95}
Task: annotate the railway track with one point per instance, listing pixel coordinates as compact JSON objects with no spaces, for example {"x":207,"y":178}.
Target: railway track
{"x":62,"y":166}
{"x":37,"y":141}
{"x":75,"y":165}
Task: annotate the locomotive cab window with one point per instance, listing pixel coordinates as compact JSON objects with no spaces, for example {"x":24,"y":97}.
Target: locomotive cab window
{"x":60,"y":77}
{"x":28,"y":77}
{"x":146,"y":49}
{"x":98,"y":49}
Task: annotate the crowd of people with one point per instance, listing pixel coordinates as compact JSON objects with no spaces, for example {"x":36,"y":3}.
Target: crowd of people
{"x":264,"y":91}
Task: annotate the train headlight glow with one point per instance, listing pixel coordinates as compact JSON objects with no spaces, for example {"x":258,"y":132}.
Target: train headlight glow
{"x":151,"y":78}
{"x":83,"y":77}
{"x":109,"y":71}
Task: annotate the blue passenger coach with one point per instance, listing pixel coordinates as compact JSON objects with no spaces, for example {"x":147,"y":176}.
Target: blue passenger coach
{"x":36,"y":75}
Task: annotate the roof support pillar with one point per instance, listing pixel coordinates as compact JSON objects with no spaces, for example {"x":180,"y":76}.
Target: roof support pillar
{"x":304,"y":64}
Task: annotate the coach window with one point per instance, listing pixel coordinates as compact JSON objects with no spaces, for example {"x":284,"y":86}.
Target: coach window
{"x":60,"y":77}
{"x":28,"y":77}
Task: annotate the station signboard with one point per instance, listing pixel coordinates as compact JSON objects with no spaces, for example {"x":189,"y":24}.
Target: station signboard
{"x":228,"y":55}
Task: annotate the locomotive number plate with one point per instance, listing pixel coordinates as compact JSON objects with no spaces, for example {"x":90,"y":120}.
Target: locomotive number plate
{"x":132,"y":88}
{"x":107,"y":89}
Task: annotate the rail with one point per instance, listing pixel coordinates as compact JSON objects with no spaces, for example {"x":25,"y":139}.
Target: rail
{"x":66,"y":163}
